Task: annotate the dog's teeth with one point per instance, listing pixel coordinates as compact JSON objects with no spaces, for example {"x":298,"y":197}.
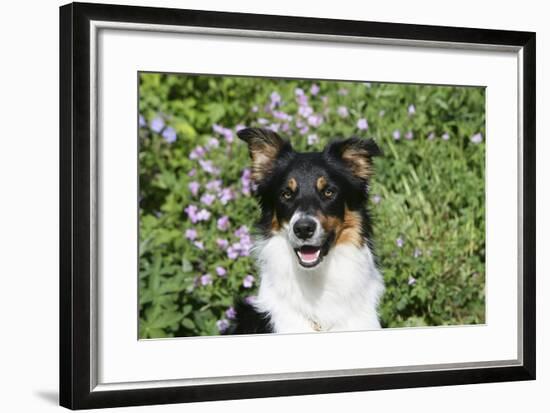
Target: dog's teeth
{"x":310,"y":257}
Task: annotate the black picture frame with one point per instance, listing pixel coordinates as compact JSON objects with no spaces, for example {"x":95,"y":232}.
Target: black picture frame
{"x":75,"y":219}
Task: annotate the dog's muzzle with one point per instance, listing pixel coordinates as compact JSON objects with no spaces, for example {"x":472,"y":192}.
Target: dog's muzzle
{"x":307,"y":238}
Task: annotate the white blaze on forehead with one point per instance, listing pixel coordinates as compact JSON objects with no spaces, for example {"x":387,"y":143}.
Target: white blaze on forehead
{"x":295,"y":217}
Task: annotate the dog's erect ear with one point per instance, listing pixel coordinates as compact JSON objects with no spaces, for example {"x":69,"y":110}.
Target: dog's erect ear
{"x":264,"y":146}
{"x":356,"y":153}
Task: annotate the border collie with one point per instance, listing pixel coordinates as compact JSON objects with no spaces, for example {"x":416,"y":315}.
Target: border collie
{"x":317,"y":269}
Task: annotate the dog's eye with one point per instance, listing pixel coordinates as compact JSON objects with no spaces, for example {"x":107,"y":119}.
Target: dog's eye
{"x":328,"y":193}
{"x":286,"y":194}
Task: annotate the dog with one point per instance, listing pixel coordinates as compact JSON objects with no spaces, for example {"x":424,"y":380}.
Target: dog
{"x":314,"y":249}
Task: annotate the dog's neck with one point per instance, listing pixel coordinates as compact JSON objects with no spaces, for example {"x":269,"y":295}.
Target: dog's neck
{"x":341,"y":294}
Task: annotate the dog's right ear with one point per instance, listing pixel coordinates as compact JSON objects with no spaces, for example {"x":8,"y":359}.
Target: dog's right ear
{"x":264,"y":146}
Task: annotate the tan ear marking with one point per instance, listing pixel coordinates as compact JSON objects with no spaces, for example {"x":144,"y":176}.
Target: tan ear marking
{"x":264,"y":147}
{"x":357,"y":160}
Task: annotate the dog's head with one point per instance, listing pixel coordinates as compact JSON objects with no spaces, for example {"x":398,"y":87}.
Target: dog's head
{"x":316,"y":199}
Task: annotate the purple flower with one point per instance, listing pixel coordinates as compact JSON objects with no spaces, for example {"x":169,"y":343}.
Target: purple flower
{"x":275,"y":99}
{"x":142,"y":122}
{"x":222,"y":325}
{"x":222,"y":243}
{"x":399,"y":242}
{"x":277,"y":114}
{"x":192,"y":172}
{"x":305,"y":111}
{"x":191,"y":234}
{"x":239,"y":127}
{"x":312,"y":139}
{"x":197,"y":153}
{"x":157,"y":124}
{"x":477,"y":138}
{"x":199,"y":245}
{"x":243,"y":247}
{"x":254,"y":108}
{"x":223,"y":223}
{"x":362,"y":124}
{"x":195,"y":215}
{"x":205,"y":279}
{"x":169,"y":134}
{"x":409,"y":135}
{"x":445,"y":136}
{"x":376,"y":199}
{"x":299,"y":91}
{"x":226,"y":195}
{"x":315,"y":120}
{"x":251,"y":299}
{"x":431,"y":136}
{"x":314,"y":89}
{"x":343,"y":111}
{"x":214,"y":185}
{"x":232,"y":253}
{"x":396,"y":134}
{"x":208,"y":167}
{"x":412,"y":280}
{"x":212,"y":143}
{"x":411,"y":110}
{"x":191,"y":211}
{"x":230,"y":313}
{"x":221,"y":271}
{"x":208,"y":199}
{"x":417,"y":253}
{"x":194,"y":187}
{"x":242,"y":231}
{"x":225,"y":132}
{"x":246,"y":180}
{"x":302,"y":100}
{"x":304,"y":130}
{"x":248,"y":281}
{"x":203,"y":215}
{"x":274,"y":127}
{"x":263,"y":121}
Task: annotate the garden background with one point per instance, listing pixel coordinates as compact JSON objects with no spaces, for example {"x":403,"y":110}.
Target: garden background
{"x":197,"y":210}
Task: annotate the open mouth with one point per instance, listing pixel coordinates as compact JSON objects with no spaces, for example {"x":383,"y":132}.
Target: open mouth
{"x":308,"y":255}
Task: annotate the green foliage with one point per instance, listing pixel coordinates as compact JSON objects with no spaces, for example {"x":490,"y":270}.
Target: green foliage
{"x":427,"y":195}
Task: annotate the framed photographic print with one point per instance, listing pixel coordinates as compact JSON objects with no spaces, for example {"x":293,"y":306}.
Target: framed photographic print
{"x":258,"y":206}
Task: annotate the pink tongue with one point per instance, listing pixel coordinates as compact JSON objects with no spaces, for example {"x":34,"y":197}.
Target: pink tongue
{"x":308,"y":254}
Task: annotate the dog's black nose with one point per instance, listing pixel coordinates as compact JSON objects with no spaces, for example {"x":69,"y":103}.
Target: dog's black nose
{"x":304,"y":228}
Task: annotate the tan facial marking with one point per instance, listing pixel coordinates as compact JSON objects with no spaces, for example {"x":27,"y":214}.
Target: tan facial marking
{"x":348,"y":230}
{"x":351,"y":229}
{"x":292,"y":184}
{"x":275,"y":225}
{"x":321,"y":183}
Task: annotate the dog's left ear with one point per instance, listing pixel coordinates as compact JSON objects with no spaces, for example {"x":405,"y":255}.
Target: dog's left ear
{"x":356,"y":154}
{"x":264,"y":146}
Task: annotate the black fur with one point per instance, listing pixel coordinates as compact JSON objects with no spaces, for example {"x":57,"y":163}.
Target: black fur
{"x":248,"y":320}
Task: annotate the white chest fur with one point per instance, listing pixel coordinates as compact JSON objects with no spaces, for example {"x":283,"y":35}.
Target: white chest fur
{"x":341,"y":294}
